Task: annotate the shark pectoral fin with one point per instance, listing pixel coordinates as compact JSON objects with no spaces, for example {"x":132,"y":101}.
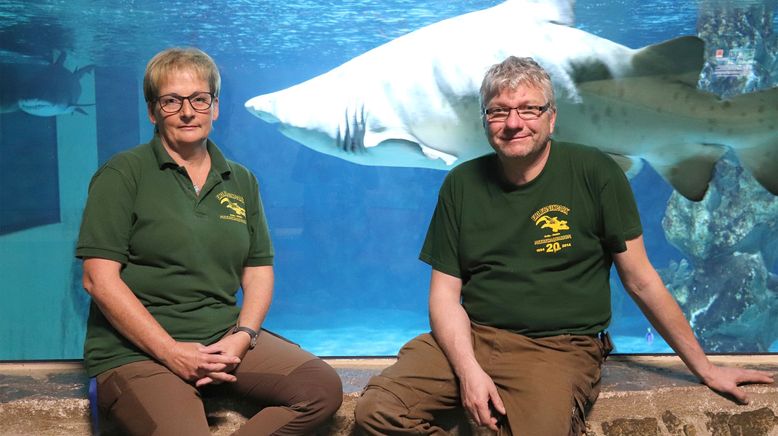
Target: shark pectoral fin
{"x":437,"y":154}
{"x":688,"y":167}
{"x":374,"y":138}
{"x":762,"y":162}
{"x":675,"y":57}
{"x":630,"y":165}
{"x":84,"y":70}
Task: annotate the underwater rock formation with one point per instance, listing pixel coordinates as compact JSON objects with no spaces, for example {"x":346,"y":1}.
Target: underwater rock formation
{"x":727,"y":288}
{"x":741,"y":46}
{"x":730,"y":238}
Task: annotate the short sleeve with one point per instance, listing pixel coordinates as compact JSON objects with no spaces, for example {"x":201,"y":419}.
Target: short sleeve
{"x":108,"y":215}
{"x":441,"y":245}
{"x":261,"y":249}
{"x":620,"y":217}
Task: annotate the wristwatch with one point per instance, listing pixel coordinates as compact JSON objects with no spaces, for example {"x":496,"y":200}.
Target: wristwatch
{"x":251,"y":333}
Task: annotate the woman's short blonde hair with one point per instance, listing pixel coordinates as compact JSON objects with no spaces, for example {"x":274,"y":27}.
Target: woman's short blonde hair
{"x":175,"y":59}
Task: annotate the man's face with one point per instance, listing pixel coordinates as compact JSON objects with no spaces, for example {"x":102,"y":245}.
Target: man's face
{"x":515,"y":138}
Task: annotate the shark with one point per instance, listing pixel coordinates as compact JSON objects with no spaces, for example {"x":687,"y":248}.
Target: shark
{"x":414,"y":101}
{"x":42,"y":90}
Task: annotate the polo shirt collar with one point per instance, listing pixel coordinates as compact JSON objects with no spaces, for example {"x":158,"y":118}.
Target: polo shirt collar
{"x":218,"y":161}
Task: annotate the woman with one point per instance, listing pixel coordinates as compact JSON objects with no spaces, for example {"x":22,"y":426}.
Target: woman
{"x":170,"y":231}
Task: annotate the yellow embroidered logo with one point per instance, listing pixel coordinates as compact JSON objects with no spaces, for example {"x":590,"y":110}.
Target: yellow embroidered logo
{"x":234,"y":204}
{"x":548,"y":217}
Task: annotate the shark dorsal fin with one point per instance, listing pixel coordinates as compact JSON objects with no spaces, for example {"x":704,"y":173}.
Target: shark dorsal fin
{"x":683,"y":57}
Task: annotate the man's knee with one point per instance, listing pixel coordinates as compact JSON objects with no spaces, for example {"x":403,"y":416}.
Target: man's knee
{"x":377,"y":411}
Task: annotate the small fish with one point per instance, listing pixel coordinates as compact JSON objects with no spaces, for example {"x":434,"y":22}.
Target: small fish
{"x":649,"y":336}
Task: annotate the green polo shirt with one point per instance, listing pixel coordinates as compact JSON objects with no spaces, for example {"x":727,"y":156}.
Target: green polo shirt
{"x":534,"y":259}
{"x":182,"y":254}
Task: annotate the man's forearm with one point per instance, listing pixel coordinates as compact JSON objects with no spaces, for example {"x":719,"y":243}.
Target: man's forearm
{"x":666,"y":316}
{"x":450,"y":323}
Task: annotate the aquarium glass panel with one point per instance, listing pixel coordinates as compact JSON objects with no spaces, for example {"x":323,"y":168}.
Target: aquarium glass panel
{"x":351,"y":113}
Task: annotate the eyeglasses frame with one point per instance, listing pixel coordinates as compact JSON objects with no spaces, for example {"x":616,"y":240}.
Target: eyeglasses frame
{"x":187,"y":98}
{"x":543,"y":109}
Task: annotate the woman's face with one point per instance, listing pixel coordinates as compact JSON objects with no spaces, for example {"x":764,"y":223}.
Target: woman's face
{"x":187,"y":127}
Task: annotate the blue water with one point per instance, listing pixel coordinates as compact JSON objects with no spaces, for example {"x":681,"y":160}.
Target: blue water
{"x":347,"y":237}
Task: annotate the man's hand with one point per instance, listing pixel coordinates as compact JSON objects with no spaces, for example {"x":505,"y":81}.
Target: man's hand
{"x":477,"y":391}
{"x":726,"y":381}
{"x":233,"y":345}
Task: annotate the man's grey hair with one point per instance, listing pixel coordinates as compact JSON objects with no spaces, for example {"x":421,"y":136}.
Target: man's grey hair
{"x":512,"y":73}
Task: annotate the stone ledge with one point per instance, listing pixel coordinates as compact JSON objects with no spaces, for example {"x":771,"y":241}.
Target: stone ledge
{"x":641,"y":396}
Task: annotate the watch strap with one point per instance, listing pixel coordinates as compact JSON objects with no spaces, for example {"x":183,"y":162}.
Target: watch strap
{"x":251,"y":332}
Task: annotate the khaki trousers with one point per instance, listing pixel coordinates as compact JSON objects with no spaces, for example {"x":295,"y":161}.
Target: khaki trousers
{"x":547,"y":384}
{"x":295,"y":391}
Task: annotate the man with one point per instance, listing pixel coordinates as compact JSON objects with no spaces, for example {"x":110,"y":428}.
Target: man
{"x":521,"y":244}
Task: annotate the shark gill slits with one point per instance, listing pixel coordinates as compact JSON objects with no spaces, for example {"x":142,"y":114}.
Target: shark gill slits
{"x":338,"y":138}
{"x":346,"y":135}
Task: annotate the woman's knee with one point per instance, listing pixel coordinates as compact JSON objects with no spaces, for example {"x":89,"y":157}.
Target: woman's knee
{"x":319,"y":388}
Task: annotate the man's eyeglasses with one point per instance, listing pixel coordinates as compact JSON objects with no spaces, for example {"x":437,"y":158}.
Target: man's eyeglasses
{"x":172,"y":103}
{"x":526,"y":113}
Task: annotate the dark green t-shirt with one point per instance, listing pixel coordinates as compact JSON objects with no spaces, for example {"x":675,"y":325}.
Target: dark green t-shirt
{"x":182,"y":255}
{"x":534,"y":259}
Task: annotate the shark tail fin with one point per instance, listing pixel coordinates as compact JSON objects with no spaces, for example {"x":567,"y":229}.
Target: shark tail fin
{"x":689,"y":168}
{"x":761,"y":157}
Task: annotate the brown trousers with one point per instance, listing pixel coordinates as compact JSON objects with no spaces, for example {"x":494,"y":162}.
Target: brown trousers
{"x":295,"y":390}
{"x":547,"y":384}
